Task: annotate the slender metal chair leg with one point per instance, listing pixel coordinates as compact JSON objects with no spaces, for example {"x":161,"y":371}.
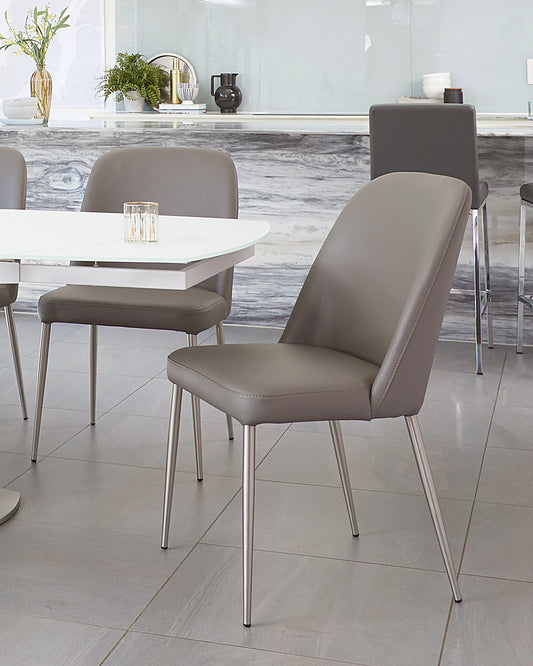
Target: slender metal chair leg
{"x":192,"y":341}
{"x":433,"y":502}
{"x":340,"y":454}
{"x":12,"y":332}
{"x":521,"y":277}
{"x":221,"y":341}
{"x":477,"y":290}
{"x":41,"y":380}
{"x":172,"y":451}
{"x":248,"y":505}
{"x":93,"y":354}
{"x":486,"y":265}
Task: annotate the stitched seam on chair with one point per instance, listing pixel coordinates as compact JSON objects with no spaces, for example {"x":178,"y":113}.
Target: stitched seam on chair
{"x":279,"y":395}
{"x":106,"y":306}
{"x":413,"y":327}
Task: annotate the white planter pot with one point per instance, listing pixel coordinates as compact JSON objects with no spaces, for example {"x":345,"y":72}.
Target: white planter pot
{"x":135,"y":104}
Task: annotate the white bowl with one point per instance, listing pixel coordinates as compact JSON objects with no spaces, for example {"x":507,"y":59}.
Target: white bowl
{"x":437,"y":75}
{"x":22,"y":108}
{"x":434,"y":90}
{"x":187,"y":92}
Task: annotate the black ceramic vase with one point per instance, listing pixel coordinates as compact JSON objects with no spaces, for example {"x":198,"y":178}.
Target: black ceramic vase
{"x":228,"y":96}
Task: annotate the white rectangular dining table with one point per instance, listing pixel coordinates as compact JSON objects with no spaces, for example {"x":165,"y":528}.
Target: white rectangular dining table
{"x":197,"y":247}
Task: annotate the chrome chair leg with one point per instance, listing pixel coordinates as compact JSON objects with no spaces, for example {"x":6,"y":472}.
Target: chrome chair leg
{"x":486,"y":265}
{"x":221,"y":341}
{"x":248,"y":505}
{"x":172,"y":451}
{"x":433,"y":502}
{"x":41,"y":380}
{"x":521,"y":278}
{"x":192,"y":341}
{"x":477,"y":291}
{"x":340,"y":454}
{"x":12,"y":332}
{"x":93,"y":354}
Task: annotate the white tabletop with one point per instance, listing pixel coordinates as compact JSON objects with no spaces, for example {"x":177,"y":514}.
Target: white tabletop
{"x":61,"y":235}
{"x":199,"y":247}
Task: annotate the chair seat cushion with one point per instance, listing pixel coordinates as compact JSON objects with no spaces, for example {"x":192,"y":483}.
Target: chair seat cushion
{"x":8,"y":294}
{"x":192,"y":311}
{"x":276,"y":383}
{"x":526,"y":192}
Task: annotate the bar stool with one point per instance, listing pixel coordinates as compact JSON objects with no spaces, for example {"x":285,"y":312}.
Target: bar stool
{"x":439,"y":139}
{"x":526,"y":201}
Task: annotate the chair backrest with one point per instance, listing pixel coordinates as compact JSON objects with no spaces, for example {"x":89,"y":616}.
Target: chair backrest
{"x":380,"y":283}
{"x":430,"y":138}
{"x":12,"y":195}
{"x":195,"y":182}
{"x":12,"y":179}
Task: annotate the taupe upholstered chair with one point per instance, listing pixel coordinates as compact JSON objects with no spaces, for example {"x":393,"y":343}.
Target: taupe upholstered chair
{"x":184,"y":181}
{"x":358,"y":345}
{"x":13,"y":195}
{"x":440,"y":139}
{"x":526,"y":201}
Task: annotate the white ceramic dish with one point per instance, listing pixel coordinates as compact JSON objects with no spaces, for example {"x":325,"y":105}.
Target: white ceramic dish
{"x":22,"y":108}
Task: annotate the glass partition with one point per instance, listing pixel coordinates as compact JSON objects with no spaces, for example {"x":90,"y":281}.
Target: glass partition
{"x":340,"y":56}
{"x":75,"y":58}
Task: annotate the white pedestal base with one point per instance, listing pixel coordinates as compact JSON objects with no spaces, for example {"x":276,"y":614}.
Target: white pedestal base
{"x":9,"y":503}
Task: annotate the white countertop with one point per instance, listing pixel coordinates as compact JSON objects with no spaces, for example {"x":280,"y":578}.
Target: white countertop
{"x":319,"y":124}
{"x":488,"y":125}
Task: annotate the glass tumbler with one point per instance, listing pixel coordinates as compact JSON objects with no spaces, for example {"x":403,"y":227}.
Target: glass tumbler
{"x":141,"y":221}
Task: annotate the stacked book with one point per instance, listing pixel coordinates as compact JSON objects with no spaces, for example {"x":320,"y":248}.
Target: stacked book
{"x":184,"y":107}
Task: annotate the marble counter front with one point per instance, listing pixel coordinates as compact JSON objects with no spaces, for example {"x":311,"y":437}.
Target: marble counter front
{"x":295,"y":172}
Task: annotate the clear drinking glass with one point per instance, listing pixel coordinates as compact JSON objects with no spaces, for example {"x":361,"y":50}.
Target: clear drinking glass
{"x":141,"y":221}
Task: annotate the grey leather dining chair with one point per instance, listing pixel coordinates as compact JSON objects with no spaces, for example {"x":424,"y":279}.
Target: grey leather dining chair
{"x":13,"y":196}
{"x":358,"y":345}
{"x":194,"y":182}
{"x":440,"y":139}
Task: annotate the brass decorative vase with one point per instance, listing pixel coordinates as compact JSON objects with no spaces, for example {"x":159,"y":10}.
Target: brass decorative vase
{"x":41,"y":87}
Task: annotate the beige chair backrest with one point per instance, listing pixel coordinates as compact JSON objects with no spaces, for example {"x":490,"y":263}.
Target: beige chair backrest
{"x":195,"y":182}
{"x":379,"y":286}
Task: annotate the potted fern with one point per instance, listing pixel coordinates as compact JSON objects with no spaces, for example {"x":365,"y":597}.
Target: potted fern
{"x":133,"y":80}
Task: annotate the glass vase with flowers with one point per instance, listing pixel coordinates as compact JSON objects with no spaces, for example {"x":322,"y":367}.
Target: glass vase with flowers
{"x":33,"y":40}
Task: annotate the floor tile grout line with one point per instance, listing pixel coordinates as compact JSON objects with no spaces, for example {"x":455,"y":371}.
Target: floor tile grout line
{"x":238,"y":646}
{"x":165,"y":582}
{"x":467,"y":533}
{"x":193,"y":547}
{"x":509,"y":580}
{"x":257,"y":649}
{"x":329,"y":558}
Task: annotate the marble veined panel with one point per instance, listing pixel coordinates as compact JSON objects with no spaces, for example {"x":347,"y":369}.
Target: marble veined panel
{"x":299,"y":183}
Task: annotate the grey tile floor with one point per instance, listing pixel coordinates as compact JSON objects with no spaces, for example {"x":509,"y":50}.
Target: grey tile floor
{"x":83,"y":580}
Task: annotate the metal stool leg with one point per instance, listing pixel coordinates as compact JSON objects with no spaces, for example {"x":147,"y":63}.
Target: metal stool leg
{"x":486,"y":265}
{"x":220,"y":341}
{"x":477,"y":291}
{"x":196,"y":421}
{"x":12,"y":332}
{"x":172,"y":451}
{"x":433,"y":501}
{"x":340,"y":454}
{"x":93,"y":355}
{"x":521,"y":277}
{"x":248,"y":505}
{"x":41,"y":380}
